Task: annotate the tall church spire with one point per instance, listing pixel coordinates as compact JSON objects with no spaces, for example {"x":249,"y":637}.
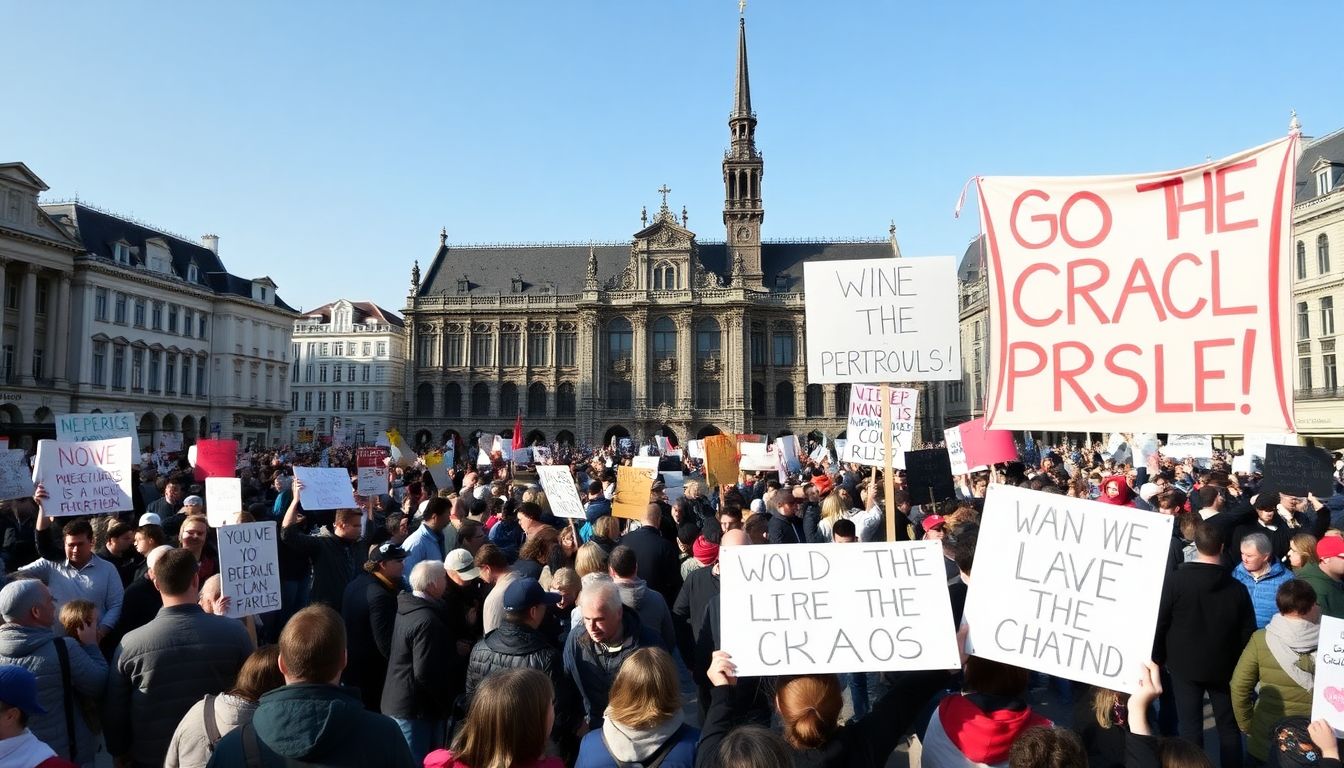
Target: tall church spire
{"x":743,"y":167}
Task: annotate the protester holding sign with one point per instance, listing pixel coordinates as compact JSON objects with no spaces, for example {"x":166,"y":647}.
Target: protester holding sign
{"x":72,"y":571}
{"x":336,"y":552}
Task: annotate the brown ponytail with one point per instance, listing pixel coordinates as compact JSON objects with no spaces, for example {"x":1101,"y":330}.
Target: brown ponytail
{"x":809,"y":707}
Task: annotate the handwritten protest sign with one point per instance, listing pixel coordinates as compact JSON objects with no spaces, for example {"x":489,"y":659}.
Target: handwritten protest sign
{"x":1253,"y":444}
{"x":1156,"y":302}
{"x":929,"y":476}
{"x":865,"y":444}
{"x":325,"y":488}
{"x":1298,"y":470}
{"x":645,"y":462}
{"x":1327,"y":698}
{"x":721,"y":460}
{"x":215,"y":458}
{"x":223,"y":499}
{"x":818,"y":608}
{"x":560,"y":490}
{"x":756,"y":457}
{"x":249,"y":568}
{"x":81,"y":427}
{"x":16,"y":480}
{"x":1068,"y":587}
{"x":695,"y":449}
{"x":787,"y":448}
{"x":972,"y":448}
{"x":1189,"y":447}
{"x":882,"y":320}
{"x":371,"y":470}
{"x":85,"y":478}
{"x":633,"y":486}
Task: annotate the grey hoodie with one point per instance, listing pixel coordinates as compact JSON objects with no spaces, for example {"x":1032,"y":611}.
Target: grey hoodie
{"x":651,"y":607}
{"x":630,"y":745}
{"x":34,"y":649}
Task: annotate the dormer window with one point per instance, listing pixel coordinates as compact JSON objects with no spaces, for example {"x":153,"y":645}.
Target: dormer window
{"x":121,"y":253}
{"x":193,"y":274}
{"x":517,"y":284}
{"x":781,"y":283}
{"x":664,"y":277}
{"x":1323,"y":182}
{"x":462,"y":285}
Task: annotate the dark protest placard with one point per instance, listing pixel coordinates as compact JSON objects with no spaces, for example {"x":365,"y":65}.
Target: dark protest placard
{"x":1297,"y":470}
{"x":928,"y":475}
{"x":1068,"y":587}
{"x":819,"y":608}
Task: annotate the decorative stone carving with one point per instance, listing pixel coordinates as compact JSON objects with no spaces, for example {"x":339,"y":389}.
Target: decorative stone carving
{"x":665,"y":365}
{"x":710,"y":365}
{"x":620,"y":365}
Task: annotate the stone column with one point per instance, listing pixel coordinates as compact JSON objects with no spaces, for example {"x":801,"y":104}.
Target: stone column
{"x":163,"y":372}
{"x":685,"y":361}
{"x":126,"y":367}
{"x":4,"y":263}
{"x":27,"y":324}
{"x":639,"y":362}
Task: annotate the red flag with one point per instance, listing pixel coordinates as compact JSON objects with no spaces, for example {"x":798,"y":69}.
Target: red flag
{"x":518,"y":431}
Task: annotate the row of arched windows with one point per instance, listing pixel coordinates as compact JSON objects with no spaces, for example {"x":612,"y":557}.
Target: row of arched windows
{"x":813,"y":400}
{"x":508,"y":406}
{"x":663,"y":338}
{"x":1322,"y":257}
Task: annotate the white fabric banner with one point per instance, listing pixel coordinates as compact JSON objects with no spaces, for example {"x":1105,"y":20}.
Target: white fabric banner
{"x":882,"y":320}
{"x":1156,"y":302}
{"x":818,"y":608}
{"x":1188,"y":447}
{"x":1069,"y":587}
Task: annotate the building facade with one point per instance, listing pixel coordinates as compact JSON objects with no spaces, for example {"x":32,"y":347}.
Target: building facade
{"x":148,"y":322}
{"x":1318,"y":287}
{"x":664,"y":334}
{"x":346,"y":383}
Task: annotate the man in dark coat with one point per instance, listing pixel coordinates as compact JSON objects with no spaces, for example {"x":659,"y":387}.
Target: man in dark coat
{"x":416,"y":694}
{"x":786,"y":525}
{"x":611,"y":633}
{"x":1203,"y":624}
{"x":656,"y":558}
{"x":336,"y":552}
{"x":369,"y":610}
{"x":311,"y":718}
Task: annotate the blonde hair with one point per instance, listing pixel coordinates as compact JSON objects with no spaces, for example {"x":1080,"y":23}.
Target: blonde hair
{"x":77,"y":614}
{"x":1103,"y":705}
{"x":692,"y":488}
{"x":1304,"y":544}
{"x":833,"y":507}
{"x":501,"y":729}
{"x":590,"y":559}
{"x":645,"y":691}
{"x":565,"y":578}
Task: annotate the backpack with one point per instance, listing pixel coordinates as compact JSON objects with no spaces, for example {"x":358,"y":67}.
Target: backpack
{"x":1291,"y":745}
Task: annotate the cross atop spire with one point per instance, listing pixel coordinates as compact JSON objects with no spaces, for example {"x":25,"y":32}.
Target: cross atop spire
{"x":741,"y":7}
{"x":664,"y":190}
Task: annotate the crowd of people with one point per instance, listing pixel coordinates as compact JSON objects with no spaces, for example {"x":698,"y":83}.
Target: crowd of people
{"x":468,"y":626}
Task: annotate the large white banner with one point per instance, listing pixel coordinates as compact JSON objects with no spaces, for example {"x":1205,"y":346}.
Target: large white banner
{"x":817,"y":608}
{"x":1156,"y":302}
{"x":1068,"y":587}
{"x":1188,"y":447}
{"x":249,"y":568}
{"x":882,"y":320}
{"x":82,"y":427}
{"x":560,"y":490}
{"x":864,"y":444}
{"x":85,"y":478}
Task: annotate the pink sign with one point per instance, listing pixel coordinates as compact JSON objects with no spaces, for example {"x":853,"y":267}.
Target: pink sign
{"x":984,"y":447}
{"x":216,"y":458}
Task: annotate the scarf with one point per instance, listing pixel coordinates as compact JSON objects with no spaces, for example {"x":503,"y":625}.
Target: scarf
{"x":1123,"y":495}
{"x":1289,"y":640}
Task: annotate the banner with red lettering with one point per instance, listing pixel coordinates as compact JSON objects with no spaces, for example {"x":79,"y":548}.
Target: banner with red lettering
{"x":1157,"y":302}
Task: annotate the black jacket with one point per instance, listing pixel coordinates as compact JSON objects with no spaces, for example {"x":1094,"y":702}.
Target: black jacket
{"x":656,"y":561}
{"x":786,"y":530}
{"x":417,"y":669}
{"x":1203,"y":623}
{"x":688,"y":612}
{"x":139,"y":605}
{"x":336,"y":561}
{"x":514,"y":646}
{"x":370,"y":612}
{"x":127,"y":565}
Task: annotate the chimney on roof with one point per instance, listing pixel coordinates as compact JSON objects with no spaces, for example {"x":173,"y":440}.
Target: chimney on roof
{"x":211,"y":242}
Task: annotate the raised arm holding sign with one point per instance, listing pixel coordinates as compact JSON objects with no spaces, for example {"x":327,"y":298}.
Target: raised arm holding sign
{"x":325,"y":488}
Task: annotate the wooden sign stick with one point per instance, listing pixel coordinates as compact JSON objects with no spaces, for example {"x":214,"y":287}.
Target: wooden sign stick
{"x":888,"y":474}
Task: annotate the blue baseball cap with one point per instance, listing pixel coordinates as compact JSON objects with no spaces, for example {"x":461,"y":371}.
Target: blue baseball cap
{"x":18,"y":688}
{"x":522,"y":594}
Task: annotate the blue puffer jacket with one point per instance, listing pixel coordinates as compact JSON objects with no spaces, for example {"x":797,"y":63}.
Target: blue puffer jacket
{"x":34,"y":649}
{"x":1264,"y":591}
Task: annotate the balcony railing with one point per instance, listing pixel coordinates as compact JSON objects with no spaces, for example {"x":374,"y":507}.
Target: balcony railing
{"x":1319,"y":393}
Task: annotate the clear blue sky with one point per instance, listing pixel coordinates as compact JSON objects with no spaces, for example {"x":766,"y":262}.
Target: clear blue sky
{"x":326,"y":142}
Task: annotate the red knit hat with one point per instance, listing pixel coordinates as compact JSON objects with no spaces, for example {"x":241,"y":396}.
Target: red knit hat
{"x":823,"y":484}
{"x":705,"y":551}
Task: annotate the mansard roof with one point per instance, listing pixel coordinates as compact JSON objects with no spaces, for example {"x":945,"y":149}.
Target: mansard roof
{"x":365,"y":312}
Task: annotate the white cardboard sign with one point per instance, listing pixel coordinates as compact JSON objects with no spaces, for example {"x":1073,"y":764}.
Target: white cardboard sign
{"x":1253,"y":444}
{"x":1327,"y":697}
{"x":16,"y":480}
{"x":560,"y":490}
{"x":85,"y":478}
{"x":1069,"y":587}
{"x":882,"y":320}
{"x":864,"y":442}
{"x":325,"y":488}
{"x":821,"y":608}
{"x":223,"y":498}
{"x":249,"y":568}
{"x":82,"y":427}
{"x":1188,"y":447}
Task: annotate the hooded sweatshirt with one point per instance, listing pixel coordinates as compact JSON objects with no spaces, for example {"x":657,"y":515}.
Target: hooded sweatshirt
{"x":26,"y":751}
{"x":651,"y":607}
{"x":618,"y":742}
{"x":961,"y":733}
{"x":1124,"y":496}
{"x":34,"y":649}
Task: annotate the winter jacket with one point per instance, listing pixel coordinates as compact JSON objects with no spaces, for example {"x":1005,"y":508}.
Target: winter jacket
{"x":139,"y":605}
{"x":336,"y":561}
{"x":688,"y":611}
{"x":443,"y":758}
{"x":651,"y":607}
{"x":513,"y":646}
{"x":28,"y":751}
{"x":417,"y":667}
{"x":1279,"y":696}
{"x":655,"y":561}
{"x":1263,"y":591}
{"x":964,"y":731}
{"x":369,"y":609}
{"x":595,"y":508}
{"x":1329,"y":592}
{"x":1204,"y":620}
{"x":160,"y":670}
{"x":786,"y":530}
{"x":593,"y":667}
{"x":320,"y":725}
{"x":602,"y":748}
{"x":190,"y":747}
{"x":34,"y":649}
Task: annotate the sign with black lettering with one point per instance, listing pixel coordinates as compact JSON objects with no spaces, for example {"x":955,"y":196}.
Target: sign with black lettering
{"x":1298,"y":470}
{"x":819,"y":608}
{"x":1068,"y":587}
{"x":249,"y":568}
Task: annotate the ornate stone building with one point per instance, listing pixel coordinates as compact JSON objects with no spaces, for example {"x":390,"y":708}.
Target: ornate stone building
{"x":664,"y":334}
